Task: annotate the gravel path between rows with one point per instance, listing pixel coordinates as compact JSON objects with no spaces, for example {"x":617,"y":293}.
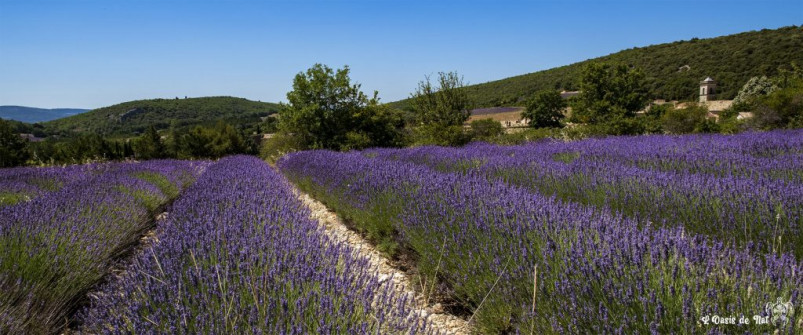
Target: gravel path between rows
{"x":441,"y":322}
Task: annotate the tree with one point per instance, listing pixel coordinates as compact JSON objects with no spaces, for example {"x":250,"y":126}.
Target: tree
{"x":782,"y":108}
{"x":444,"y":105}
{"x":486,"y":129}
{"x":755,"y":87}
{"x":13,"y":151}
{"x":545,"y":109}
{"x":376,"y":125}
{"x":607,"y":92}
{"x":173,"y":144}
{"x":441,"y":110}
{"x":326,"y":111}
{"x":652,"y":118}
{"x":226,"y":140}
{"x":149,"y":145}
{"x":789,"y":77}
{"x":685,"y":120}
{"x":84,"y":148}
{"x":214,"y":142}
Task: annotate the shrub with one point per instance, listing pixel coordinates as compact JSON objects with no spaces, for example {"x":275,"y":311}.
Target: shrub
{"x":545,"y":109}
{"x":684,"y":120}
{"x":279,"y":145}
{"x":486,"y":129}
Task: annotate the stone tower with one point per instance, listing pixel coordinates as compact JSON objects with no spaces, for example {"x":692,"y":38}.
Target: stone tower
{"x":707,"y":89}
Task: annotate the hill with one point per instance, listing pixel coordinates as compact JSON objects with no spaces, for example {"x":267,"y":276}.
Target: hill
{"x":673,"y":70}
{"x":33,"y":115}
{"x":134,"y":117}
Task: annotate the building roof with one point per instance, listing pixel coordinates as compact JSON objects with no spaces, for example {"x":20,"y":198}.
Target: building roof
{"x":708,"y":80}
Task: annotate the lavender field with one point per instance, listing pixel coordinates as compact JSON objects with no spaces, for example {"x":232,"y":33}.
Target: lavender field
{"x":74,"y":222}
{"x":238,"y":254}
{"x":621,"y":235}
{"x":629,"y":235}
{"x":744,"y":188}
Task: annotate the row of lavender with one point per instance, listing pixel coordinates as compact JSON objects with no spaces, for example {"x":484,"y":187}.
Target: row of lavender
{"x":239,"y":254}
{"x":597,"y":272}
{"x":745,"y":188}
{"x":773,"y":155}
{"x":25,"y":183}
{"x":75,"y":223}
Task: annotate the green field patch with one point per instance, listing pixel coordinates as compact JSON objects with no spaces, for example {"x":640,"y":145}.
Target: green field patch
{"x":165,"y":185}
{"x":565,"y":157}
{"x":10,"y":198}
{"x":47,"y":184}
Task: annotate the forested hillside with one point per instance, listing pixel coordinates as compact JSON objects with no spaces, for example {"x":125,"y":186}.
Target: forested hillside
{"x":135,"y":116}
{"x":673,"y":70}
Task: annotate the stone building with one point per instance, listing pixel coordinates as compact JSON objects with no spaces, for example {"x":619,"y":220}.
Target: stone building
{"x":708,"y":90}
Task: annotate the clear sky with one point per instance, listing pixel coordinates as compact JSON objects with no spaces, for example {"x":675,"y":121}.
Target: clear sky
{"x":92,"y":53}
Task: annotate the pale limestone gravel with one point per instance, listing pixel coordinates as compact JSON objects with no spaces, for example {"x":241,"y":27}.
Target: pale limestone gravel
{"x":334,"y":227}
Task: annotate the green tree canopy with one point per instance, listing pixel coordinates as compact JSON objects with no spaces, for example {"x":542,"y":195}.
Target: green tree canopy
{"x":446,"y":104}
{"x":12,"y":147}
{"x":608,"y":91}
{"x":440,"y":111}
{"x":326,"y":111}
{"x":149,"y":145}
{"x":685,"y":120}
{"x":755,"y":87}
{"x":486,"y":129}
{"x":775,"y":102}
{"x":545,"y":109}
{"x":84,"y":148}
{"x":782,"y":108}
{"x":212,"y":142}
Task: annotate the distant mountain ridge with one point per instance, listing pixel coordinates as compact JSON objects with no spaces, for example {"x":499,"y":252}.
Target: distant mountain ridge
{"x":33,"y":114}
{"x":134,"y":117}
{"x":672,"y":71}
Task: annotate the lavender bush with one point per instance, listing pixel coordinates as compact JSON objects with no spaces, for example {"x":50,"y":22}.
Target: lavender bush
{"x":598,"y":272}
{"x":746,"y":188}
{"x":56,"y":246}
{"x":238,"y":254}
{"x":25,"y":183}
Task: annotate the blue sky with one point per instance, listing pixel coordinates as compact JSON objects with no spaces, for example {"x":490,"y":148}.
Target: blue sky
{"x":90,"y":54}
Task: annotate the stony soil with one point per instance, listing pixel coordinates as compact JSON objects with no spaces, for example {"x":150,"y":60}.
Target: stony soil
{"x":441,"y":321}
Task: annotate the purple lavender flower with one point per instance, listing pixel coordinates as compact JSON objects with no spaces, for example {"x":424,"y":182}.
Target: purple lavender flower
{"x":595,"y":260}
